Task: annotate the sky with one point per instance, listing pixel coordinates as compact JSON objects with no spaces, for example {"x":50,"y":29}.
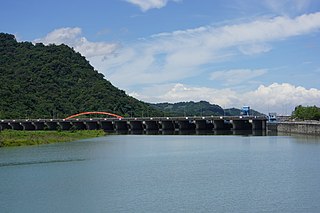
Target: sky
{"x":260,"y":53}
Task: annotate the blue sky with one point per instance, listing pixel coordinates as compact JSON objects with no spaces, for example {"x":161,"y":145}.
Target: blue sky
{"x":230,"y":52}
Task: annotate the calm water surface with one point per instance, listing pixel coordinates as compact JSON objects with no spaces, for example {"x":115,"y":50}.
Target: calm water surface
{"x":143,"y":173}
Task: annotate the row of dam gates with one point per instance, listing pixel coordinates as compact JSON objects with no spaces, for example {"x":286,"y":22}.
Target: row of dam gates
{"x":140,"y":124}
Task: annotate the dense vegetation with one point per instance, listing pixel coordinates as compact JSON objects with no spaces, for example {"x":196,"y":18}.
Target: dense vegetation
{"x":306,"y":113}
{"x":55,"y":81}
{"x":23,"y":138}
{"x":189,"y":109}
{"x":202,"y":108}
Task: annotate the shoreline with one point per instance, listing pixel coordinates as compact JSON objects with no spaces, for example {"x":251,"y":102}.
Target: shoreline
{"x":11,"y":138}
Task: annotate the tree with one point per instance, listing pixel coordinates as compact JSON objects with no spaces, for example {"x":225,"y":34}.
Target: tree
{"x":306,"y":113}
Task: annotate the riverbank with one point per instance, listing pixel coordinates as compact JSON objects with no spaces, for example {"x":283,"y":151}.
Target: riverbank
{"x":24,"y":138}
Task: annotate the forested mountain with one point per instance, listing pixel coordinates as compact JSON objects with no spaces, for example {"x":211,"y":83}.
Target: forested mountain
{"x":202,"y":108}
{"x":38,"y":81}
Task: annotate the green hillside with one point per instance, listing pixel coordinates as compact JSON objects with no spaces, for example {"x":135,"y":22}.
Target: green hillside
{"x":54,"y":81}
{"x":201,"y":108}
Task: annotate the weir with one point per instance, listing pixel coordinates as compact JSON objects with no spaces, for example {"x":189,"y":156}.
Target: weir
{"x":212,"y":123}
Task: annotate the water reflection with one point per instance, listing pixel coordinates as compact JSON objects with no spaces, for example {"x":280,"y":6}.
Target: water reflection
{"x":302,"y":138}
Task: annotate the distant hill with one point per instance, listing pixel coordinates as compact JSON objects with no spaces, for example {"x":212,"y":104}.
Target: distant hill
{"x":38,"y":81}
{"x":235,"y":112}
{"x":202,"y":108}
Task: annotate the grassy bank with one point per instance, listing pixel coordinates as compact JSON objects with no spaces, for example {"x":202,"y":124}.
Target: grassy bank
{"x":23,"y":138}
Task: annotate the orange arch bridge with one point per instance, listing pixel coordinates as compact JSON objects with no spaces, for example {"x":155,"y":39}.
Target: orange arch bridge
{"x":90,"y":113}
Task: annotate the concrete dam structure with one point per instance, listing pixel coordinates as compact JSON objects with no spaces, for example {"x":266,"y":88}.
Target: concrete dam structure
{"x":140,"y":124}
{"x":304,"y":127}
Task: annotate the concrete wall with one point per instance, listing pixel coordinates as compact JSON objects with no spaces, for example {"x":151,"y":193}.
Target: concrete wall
{"x":299,"y":127}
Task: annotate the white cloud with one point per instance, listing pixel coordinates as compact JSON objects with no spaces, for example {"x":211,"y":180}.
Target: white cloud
{"x":265,"y":30}
{"x":280,"y":98}
{"x":180,"y":54}
{"x":59,"y":36}
{"x":169,"y":57}
{"x":73,"y":38}
{"x":287,"y":6}
{"x":179,"y":92}
{"x":253,"y":49}
{"x":150,"y":4}
{"x":236,"y":76}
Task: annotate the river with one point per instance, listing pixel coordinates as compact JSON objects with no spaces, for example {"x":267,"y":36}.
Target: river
{"x":164,"y":173}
